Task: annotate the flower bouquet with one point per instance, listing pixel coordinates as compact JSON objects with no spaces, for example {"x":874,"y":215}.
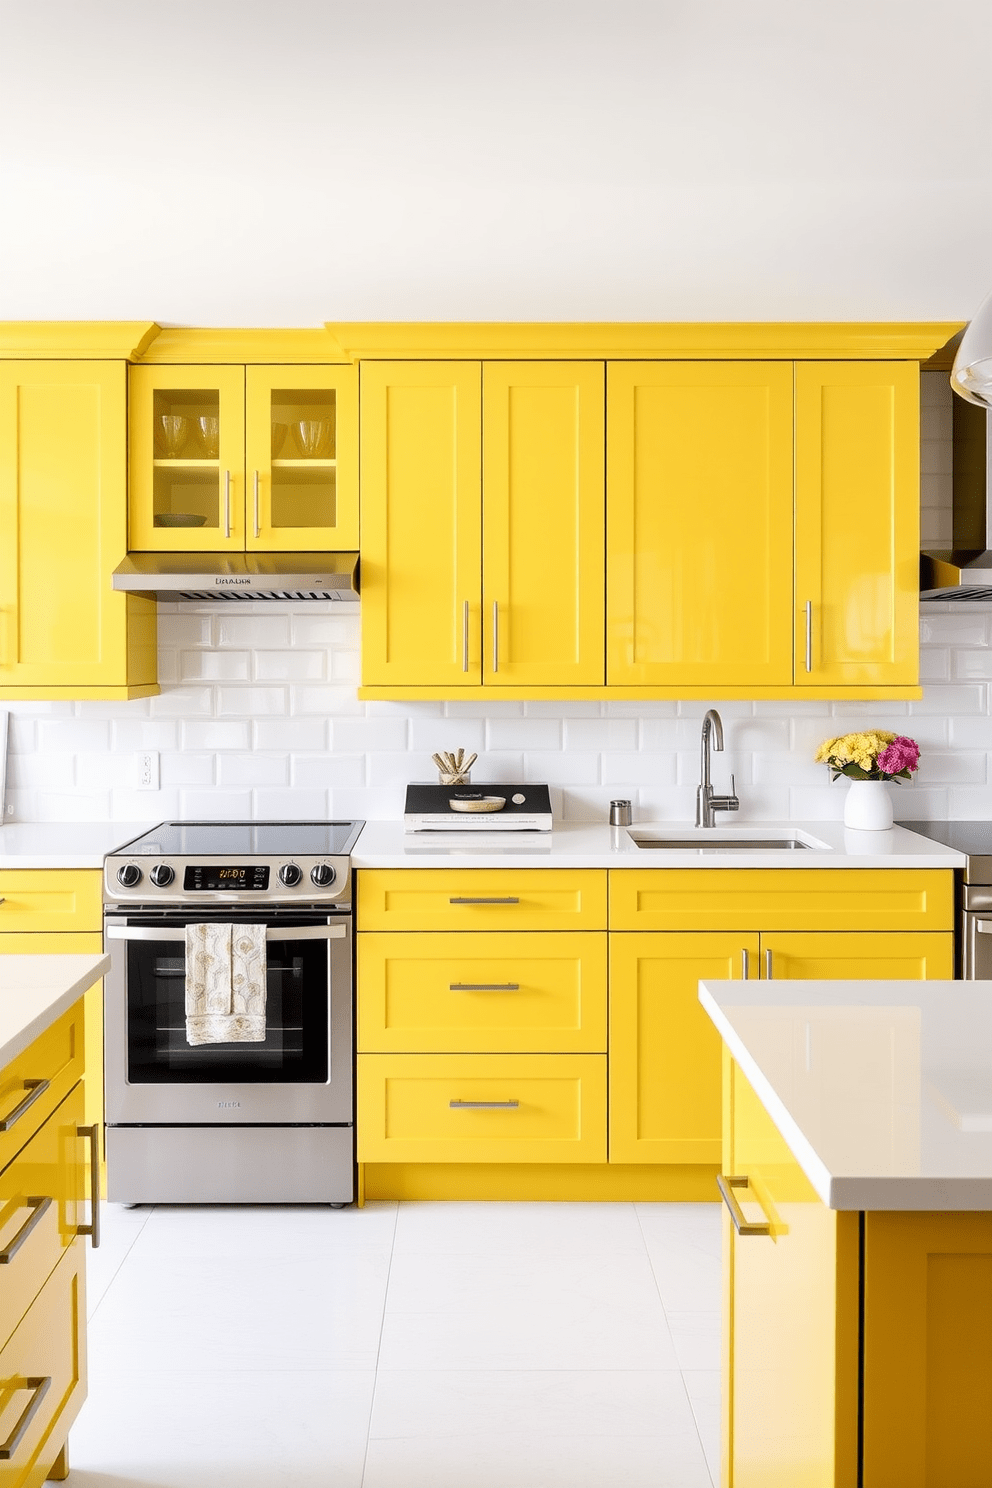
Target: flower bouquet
{"x":874,"y":754}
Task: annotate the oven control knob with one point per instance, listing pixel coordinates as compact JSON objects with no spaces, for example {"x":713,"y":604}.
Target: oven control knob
{"x":162,"y":875}
{"x":322,"y":875}
{"x":290,"y":875}
{"x":129,"y":875}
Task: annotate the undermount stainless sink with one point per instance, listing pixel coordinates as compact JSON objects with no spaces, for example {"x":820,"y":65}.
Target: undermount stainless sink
{"x":706,"y":839}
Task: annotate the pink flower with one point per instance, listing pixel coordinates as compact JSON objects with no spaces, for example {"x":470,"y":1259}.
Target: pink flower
{"x":902,"y":754}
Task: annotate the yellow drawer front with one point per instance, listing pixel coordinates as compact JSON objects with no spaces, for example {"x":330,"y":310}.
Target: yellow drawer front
{"x":857,"y":957}
{"x":38,"y":1080}
{"x":50,"y":899}
{"x":781,"y":899}
{"x":44,"y":1365}
{"x":481,"y":899}
{"x":483,"y":993}
{"x":468,"y":1108}
{"x":41,"y":1195}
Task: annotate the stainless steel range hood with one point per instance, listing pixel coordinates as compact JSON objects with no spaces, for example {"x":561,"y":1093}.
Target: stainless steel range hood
{"x":964,"y":571}
{"x":234,"y":576}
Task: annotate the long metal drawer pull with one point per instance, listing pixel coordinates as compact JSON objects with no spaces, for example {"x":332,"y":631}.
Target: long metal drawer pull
{"x":460,"y":1105}
{"x":39,"y":1385}
{"x":768,"y":966}
{"x":745,"y":963}
{"x":258,"y":528}
{"x":495,"y":635}
{"x":809,"y":635}
{"x":742,"y":1224}
{"x":508,"y":900}
{"x":35,"y":1089}
{"x":465,"y":637}
{"x":93,"y":1228}
{"x":151,"y":932}
{"x":38,"y":1208}
{"x":227,"y":503}
{"x":483,"y":986}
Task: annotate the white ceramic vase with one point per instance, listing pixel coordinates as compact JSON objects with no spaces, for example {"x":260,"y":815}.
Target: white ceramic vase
{"x":868,"y":806}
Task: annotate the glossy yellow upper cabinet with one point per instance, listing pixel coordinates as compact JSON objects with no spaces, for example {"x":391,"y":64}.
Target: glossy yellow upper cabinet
{"x":699,"y":523}
{"x":421,"y":434}
{"x":228,"y":458}
{"x":64,"y":633}
{"x":543,"y":516}
{"x":301,"y":447}
{"x":857,"y":523}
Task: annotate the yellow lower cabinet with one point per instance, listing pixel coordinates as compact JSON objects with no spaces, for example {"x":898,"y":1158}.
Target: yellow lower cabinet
{"x":664,"y":1050}
{"x":38,"y":1080}
{"x":488,"y":1108}
{"x":41,"y":1197}
{"x":482,"y":993}
{"x":34,"y":900}
{"x":43,"y":1376}
{"x":790,"y":1317}
{"x":857,"y":956}
{"x":481,"y":899}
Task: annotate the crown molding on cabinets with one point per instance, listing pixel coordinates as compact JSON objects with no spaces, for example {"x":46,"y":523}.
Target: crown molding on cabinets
{"x":72,"y":340}
{"x":188,"y":344}
{"x":621,"y":340}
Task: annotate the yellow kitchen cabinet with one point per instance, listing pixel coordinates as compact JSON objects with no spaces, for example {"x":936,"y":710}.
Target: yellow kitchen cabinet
{"x":857,"y":523}
{"x":483,"y":992}
{"x":481,"y":899}
{"x":64,"y":633}
{"x":232,"y":458}
{"x":671,"y":929}
{"x":482,"y":524}
{"x":699,"y":524}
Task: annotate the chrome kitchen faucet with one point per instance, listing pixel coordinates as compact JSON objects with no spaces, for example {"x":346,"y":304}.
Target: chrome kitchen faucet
{"x":706,"y":802}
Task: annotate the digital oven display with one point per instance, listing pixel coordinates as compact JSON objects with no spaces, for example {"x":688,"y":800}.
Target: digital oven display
{"x":213,"y":878}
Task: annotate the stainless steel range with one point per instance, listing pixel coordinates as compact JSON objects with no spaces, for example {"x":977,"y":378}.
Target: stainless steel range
{"x":269,"y":1120}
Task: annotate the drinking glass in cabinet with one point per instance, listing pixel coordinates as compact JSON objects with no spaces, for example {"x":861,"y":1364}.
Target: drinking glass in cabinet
{"x":304,"y":457}
{"x":186,"y":483}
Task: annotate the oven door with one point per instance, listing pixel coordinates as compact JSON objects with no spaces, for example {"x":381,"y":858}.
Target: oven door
{"x":301,"y":1073}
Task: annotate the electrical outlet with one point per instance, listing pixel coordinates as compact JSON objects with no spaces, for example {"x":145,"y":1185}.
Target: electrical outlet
{"x":148,"y":770}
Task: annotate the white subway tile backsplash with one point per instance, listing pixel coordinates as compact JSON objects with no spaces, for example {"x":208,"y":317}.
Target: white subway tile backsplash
{"x":260,"y":724}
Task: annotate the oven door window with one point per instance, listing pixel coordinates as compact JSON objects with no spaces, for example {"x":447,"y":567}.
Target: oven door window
{"x":297,"y":1016}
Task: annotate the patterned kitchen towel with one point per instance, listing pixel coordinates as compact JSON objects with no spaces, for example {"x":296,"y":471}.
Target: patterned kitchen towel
{"x":225,"y":984}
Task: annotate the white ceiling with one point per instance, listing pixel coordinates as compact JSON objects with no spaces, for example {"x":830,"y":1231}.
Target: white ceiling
{"x":247,"y":162}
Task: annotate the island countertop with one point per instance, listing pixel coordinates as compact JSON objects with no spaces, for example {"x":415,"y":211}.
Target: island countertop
{"x":35,"y":990}
{"x":881,"y":1090}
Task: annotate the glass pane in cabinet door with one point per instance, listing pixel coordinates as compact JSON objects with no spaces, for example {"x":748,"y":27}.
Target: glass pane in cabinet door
{"x":304,"y":457}
{"x":186,"y":486}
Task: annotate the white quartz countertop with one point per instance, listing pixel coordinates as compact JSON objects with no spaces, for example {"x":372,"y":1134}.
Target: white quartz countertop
{"x":386,"y":845}
{"x":35,"y":990}
{"x":64,"y":844}
{"x":881,"y":1090}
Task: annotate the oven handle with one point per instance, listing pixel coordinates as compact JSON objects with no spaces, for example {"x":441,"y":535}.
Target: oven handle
{"x":152,"y":932}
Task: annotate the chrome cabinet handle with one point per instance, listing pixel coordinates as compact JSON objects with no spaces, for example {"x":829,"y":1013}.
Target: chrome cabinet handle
{"x":745,"y":963}
{"x":38,"y":1208}
{"x":809,"y":635}
{"x":258,"y":528}
{"x":465,"y":636}
{"x":483,"y":986}
{"x":38,"y":1384}
{"x":768,"y":966}
{"x":304,"y":932}
{"x":227,"y":503}
{"x":495,"y":635}
{"x":35,"y":1089}
{"x":93,"y":1228}
{"x":483,"y":901}
{"x":463,"y":1105}
{"x":742,"y":1224}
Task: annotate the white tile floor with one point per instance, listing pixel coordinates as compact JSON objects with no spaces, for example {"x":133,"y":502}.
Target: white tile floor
{"x":403,"y":1346}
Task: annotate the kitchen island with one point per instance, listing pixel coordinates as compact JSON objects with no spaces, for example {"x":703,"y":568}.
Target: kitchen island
{"x":857,"y":1177}
{"x":44,"y":1195}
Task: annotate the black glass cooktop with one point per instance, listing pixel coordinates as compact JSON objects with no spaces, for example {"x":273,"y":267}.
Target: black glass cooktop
{"x":212,"y":839}
{"x":972,"y":837}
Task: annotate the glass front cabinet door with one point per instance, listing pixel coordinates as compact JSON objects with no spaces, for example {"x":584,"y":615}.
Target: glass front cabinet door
{"x":235,"y":458}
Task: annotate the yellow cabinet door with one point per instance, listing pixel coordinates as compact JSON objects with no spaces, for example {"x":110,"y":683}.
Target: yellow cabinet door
{"x":519,"y":993}
{"x":301,"y":458}
{"x":857,"y":523}
{"x":63,"y":530}
{"x":421,"y":458}
{"x":699,"y":523}
{"x":481,"y":899}
{"x":543,"y":515}
{"x":664,"y":1050}
{"x":858,"y":956}
{"x":187,"y":459}
{"x":790,"y":1316}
